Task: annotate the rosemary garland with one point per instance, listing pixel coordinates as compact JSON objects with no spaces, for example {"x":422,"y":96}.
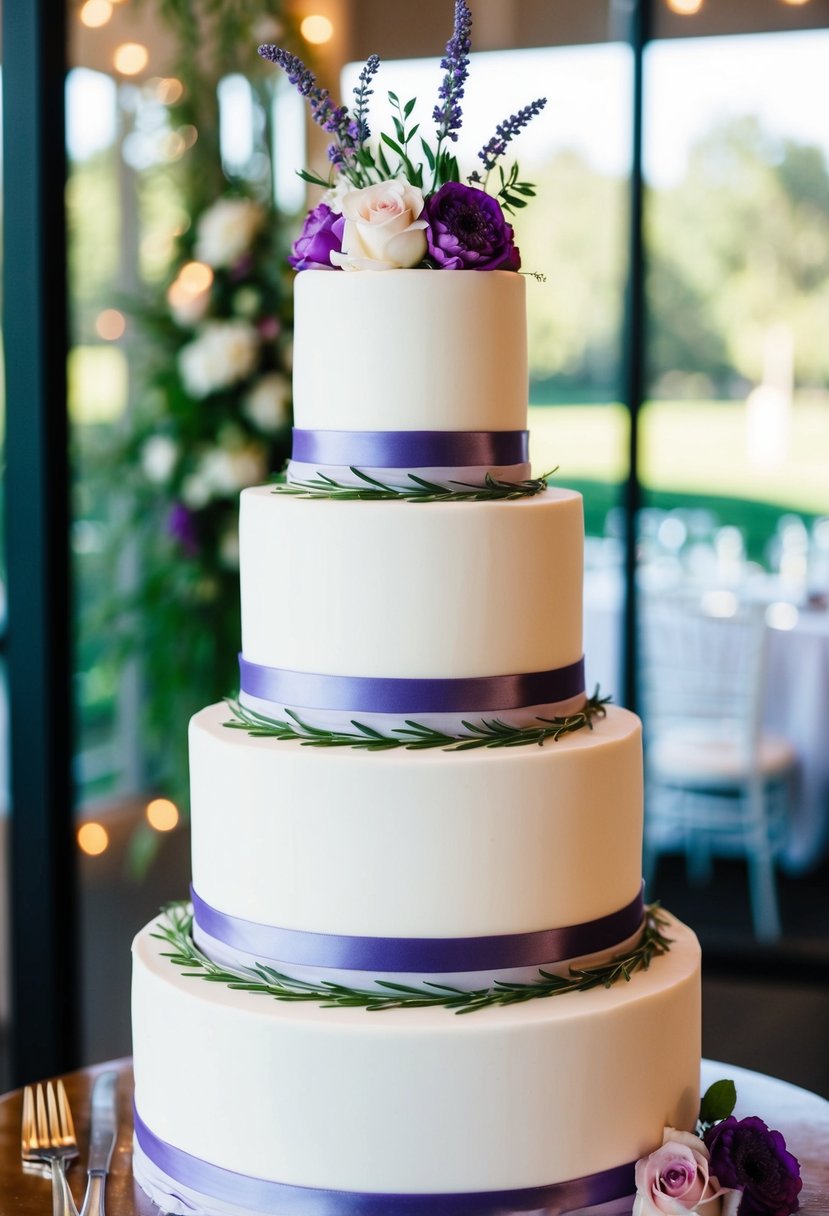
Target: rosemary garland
{"x":420,"y":490}
{"x":414,"y":736}
{"x":176,"y":932}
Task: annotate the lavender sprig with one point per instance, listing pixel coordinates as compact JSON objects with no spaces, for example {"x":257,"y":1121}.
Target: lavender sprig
{"x":362,"y":92}
{"x":507,"y":130}
{"x":333,"y":119}
{"x":455,"y":64}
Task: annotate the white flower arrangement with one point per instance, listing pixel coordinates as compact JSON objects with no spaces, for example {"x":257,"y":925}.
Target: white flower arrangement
{"x":268,"y":404}
{"x":226,"y":231}
{"x":223,"y":353}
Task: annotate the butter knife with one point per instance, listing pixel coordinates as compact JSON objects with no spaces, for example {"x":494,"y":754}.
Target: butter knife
{"x":101,"y":1142}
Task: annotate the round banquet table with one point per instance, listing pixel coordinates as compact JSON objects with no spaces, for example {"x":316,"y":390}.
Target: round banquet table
{"x":802,"y":1117}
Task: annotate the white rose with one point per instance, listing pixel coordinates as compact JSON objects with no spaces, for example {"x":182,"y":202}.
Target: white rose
{"x":267,"y":404}
{"x":195,"y":491}
{"x":226,"y":230}
{"x":222,"y":354}
{"x":382,"y":229}
{"x":226,"y":471}
{"x":158,"y":458}
{"x":249,"y":466}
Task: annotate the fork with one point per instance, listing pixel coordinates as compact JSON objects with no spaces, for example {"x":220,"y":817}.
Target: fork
{"x":47,"y":1137}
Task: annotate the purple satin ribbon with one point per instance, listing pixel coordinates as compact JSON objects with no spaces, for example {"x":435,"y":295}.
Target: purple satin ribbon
{"x":283,"y":1199}
{"x":410,"y":449}
{"x":424,"y":955}
{"x":372,"y":694}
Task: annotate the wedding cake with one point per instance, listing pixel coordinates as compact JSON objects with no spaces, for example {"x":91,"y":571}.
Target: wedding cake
{"x":416,"y":974}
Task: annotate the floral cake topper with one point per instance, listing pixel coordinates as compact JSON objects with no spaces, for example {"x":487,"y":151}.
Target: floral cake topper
{"x":731,"y":1166}
{"x":384,"y":207}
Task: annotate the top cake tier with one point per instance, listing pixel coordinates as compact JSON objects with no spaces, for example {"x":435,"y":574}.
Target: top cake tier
{"x":410,"y":350}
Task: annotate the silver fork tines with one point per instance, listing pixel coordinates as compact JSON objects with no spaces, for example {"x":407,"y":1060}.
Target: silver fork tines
{"x":47,"y":1139}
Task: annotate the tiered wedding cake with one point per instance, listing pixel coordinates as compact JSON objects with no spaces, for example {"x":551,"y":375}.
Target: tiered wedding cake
{"x":468,"y":878}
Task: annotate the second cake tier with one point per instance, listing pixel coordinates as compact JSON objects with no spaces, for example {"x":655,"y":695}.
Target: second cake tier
{"x":392,"y":607}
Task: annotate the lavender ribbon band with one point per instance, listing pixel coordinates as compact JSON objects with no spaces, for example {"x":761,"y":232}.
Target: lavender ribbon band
{"x":246,"y":1193}
{"x":410,"y":449}
{"x":425,"y":955}
{"x":374,"y":694}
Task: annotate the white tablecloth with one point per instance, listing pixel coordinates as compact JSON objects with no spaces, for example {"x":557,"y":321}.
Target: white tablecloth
{"x":797,"y":701}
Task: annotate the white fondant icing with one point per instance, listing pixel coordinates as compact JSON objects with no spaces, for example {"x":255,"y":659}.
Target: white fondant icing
{"x":419,"y":844}
{"x":400,"y":589}
{"x":410,"y":350}
{"x":417,"y":1100}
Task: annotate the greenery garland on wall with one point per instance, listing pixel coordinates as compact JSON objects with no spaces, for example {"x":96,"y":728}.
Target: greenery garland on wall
{"x":211,"y":408}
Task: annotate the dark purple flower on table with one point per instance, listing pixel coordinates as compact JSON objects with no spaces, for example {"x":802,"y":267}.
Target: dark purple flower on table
{"x":467,"y":231}
{"x":749,"y":1157}
{"x":181,"y":525}
{"x":322,"y":235}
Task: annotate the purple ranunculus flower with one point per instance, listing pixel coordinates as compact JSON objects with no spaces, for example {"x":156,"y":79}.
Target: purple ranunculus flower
{"x":322,"y":235}
{"x":467,"y":231}
{"x":748,"y":1156}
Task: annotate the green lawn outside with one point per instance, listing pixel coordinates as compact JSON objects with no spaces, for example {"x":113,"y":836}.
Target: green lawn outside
{"x":690,"y":449}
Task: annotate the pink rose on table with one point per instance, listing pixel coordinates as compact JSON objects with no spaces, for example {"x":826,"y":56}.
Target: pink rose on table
{"x":383,"y":229}
{"x":675,"y":1179}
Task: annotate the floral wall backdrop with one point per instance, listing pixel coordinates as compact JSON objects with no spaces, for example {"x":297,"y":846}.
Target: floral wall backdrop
{"x":211,"y":407}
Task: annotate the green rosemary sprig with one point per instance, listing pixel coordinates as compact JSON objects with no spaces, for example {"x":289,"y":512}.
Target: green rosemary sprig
{"x":420,"y":490}
{"x":176,"y":932}
{"x":415,"y":736}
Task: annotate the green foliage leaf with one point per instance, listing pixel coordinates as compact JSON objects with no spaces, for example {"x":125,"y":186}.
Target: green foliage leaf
{"x":415,"y":736}
{"x":175,"y":930}
{"x":718,"y":1102}
{"x":420,"y":490}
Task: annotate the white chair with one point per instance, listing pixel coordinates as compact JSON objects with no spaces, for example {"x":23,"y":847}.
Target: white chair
{"x":716,"y":783}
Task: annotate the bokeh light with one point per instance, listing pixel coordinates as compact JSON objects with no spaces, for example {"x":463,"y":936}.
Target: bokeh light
{"x":162,"y":814}
{"x":195,"y":277}
{"x":110,"y":324}
{"x":168,"y":90}
{"x":686,"y":8}
{"x":130,"y":58}
{"x":316,"y":29}
{"x":93,"y":839}
{"x":95,"y":13}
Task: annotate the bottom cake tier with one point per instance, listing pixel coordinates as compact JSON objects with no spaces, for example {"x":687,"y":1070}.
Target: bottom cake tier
{"x":249,"y":1105}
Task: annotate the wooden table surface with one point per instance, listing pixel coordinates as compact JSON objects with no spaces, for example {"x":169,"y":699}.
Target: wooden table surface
{"x":802,"y":1117}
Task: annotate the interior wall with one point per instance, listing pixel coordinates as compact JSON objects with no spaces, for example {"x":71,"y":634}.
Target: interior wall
{"x":407,"y":31}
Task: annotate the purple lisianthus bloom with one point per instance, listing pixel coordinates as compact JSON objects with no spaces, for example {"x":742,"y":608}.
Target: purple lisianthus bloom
{"x":322,"y":235}
{"x":747,"y":1156}
{"x":467,"y":231}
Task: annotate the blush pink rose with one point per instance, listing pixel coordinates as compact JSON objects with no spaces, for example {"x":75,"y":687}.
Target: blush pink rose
{"x":674,"y":1179}
{"x":383,"y":229}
